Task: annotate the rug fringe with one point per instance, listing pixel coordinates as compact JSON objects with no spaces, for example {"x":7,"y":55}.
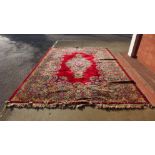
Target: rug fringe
{"x":77,"y":106}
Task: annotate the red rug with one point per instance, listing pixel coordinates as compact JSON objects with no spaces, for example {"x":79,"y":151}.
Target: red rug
{"x":70,"y":78}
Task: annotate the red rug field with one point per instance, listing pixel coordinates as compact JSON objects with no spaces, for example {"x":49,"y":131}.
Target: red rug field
{"x":75,"y":78}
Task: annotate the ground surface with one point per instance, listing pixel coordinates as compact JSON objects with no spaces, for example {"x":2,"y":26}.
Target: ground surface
{"x":19,"y":53}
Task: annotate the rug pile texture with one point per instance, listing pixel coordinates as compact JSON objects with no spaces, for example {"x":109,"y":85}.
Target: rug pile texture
{"x":75,"y":78}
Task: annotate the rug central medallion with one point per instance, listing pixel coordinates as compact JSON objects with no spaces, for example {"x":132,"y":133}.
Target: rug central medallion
{"x":78,"y":67}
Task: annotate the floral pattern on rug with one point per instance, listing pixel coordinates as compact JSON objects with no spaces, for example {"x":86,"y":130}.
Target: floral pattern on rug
{"x":73,"y":77}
